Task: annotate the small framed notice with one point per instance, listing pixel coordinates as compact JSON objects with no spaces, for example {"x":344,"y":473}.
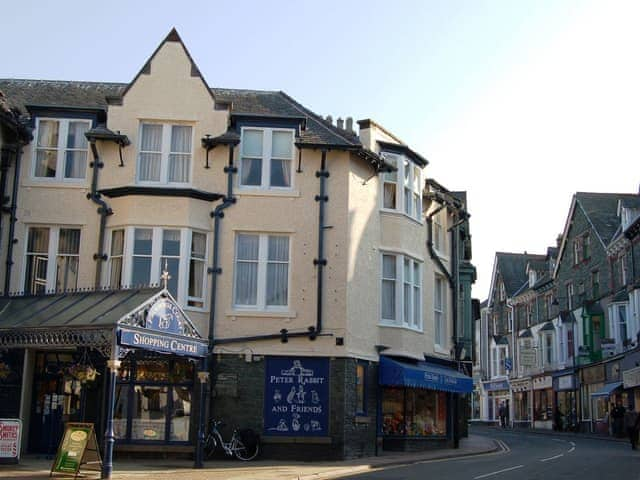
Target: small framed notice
{"x":77,"y":450}
{"x":10,"y":434}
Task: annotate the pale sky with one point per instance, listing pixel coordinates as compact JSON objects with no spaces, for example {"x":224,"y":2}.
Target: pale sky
{"x":520,"y":103}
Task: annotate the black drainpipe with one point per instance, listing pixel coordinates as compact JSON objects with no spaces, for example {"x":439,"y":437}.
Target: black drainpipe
{"x":103,"y":210}
{"x":12,"y":218}
{"x":312,"y":332}
{"x":4,"y":167}
{"x":455,"y":398}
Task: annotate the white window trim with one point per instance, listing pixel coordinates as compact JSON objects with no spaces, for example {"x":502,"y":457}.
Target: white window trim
{"x":445,"y":299}
{"x":63,"y":131}
{"x":263,"y":255}
{"x":545,"y":349}
{"x":400,"y":187}
{"x":156,"y":255}
{"x":164,"y":154}
{"x":267,"y":141}
{"x":400,"y":321}
{"x":498,"y":369}
{"x":52,"y":254}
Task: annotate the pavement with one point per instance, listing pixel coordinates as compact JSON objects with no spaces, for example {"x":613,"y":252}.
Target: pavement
{"x":34,"y":467}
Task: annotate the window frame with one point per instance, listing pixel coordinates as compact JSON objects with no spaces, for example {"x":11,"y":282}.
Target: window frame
{"x":157,"y":265}
{"x":440,"y":329}
{"x":415,"y":321}
{"x":165,"y":152}
{"x":403,"y":183}
{"x":267,"y":157}
{"x":53,"y":252}
{"x":262,"y":272}
{"x":61,"y":150}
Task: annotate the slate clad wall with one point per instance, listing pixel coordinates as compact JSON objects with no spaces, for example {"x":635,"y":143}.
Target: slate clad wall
{"x":238,"y":398}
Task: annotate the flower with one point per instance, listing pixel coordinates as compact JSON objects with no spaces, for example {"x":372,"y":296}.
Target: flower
{"x":83,"y":373}
{"x":5,"y":370}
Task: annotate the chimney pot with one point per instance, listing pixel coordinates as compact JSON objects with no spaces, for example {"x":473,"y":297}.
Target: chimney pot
{"x":340,"y":123}
{"x":350,"y":124}
{"x":330,"y":119}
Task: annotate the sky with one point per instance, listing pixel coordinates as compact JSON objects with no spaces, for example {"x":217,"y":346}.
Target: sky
{"x":519,"y":103}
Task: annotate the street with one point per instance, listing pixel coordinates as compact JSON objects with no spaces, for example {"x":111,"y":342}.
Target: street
{"x":527,"y":456}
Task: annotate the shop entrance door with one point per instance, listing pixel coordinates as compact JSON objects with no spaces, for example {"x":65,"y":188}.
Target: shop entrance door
{"x":56,"y":400}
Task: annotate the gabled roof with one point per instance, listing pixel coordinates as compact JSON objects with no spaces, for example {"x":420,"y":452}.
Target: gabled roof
{"x":512,"y":268}
{"x":93,"y":95}
{"x":601,"y":210}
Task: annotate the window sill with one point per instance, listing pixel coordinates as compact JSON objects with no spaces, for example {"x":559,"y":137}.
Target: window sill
{"x":395,"y":213}
{"x":266,"y":192}
{"x":262,"y":313}
{"x":48,"y":183}
{"x":403,"y":327}
{"x":439,"y":350}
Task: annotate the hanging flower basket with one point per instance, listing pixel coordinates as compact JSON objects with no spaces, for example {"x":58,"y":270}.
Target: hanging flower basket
{"x":5,"y":370}
{"x":82,"y":373}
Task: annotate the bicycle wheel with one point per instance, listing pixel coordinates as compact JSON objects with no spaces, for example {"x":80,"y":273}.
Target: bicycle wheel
{"x":209,"y":447}
{"x":246,"y":452}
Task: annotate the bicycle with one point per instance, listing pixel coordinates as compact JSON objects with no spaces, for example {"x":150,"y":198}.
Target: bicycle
{"x":244,"y":444}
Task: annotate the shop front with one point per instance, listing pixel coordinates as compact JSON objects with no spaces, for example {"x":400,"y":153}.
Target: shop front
{"x":593,"y":410}
{"x":543,"y":402}
{"x":521,"y":389}
{"x":631,"y":379}
{"x":64,"y":349}
{"x":498,"y":392}
{"x":565,"y":407}
{"x":418,"y":404}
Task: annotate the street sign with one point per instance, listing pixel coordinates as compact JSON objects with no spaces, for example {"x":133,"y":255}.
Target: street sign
{"x":508,"y":364}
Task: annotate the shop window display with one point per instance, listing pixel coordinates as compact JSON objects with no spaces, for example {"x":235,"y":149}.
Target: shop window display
{"x":153,"y":400}
{"x":414,"y":412}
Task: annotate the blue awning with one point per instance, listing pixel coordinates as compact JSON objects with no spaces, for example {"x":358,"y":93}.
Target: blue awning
{"x":423,"y":375}
{"x":607,"y":389}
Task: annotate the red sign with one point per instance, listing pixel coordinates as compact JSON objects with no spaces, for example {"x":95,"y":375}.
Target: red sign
{"x":10,"y":430}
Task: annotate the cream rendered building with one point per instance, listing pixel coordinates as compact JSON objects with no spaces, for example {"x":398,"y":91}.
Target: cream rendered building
{"x":318,"y":262}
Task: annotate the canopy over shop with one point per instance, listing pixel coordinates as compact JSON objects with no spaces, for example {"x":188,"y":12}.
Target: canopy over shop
{"x":416,"y":398}
{"x":141,"y":335}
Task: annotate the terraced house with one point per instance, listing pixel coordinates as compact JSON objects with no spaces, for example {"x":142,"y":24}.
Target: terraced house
{"x":313,"y":283}
{"x":572,"y":351}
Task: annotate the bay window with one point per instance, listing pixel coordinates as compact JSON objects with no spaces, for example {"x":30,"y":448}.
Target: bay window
{"x":261,"y":271}
{"x":401,"y":291}
{"x":266,"y":157}
{"x":402,"y":189}
{"x":164,"y":153}
{"x":61,"y":149}
{"x":52,"y":259}
{"x":139,"y":256}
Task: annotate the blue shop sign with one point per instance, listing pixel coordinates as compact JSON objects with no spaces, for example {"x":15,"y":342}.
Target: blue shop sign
{"x":296,"y":400}
{"x":165,"y":316}
{"x":496,"y":385}
{"x":149,"y":340}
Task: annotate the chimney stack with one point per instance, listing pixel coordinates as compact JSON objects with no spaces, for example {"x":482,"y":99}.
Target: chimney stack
{"x":330,"y":119}
{"x":350,"y":124}
{"x":340,"y":123}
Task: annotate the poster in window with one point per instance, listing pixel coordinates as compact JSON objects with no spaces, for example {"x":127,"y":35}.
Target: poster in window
{"x":296,"y":399}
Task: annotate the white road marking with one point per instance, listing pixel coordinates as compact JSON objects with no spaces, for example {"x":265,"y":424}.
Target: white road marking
{"x":552,"y":458}
{"x":497,"y":472}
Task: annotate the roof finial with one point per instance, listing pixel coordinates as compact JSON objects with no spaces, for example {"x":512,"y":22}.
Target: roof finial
{"x":165,"y":277}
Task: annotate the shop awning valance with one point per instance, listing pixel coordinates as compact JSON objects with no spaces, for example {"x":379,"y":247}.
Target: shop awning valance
{"x":422,"y":375}
{"x":607,"y":390}
{"x":146,"y":318}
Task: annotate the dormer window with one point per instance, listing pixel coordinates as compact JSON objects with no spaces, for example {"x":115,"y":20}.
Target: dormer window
{"x":165,"y":153}
{"x":266,"y":158}
{"x":61,"y":149}
{"x":401,"y":189}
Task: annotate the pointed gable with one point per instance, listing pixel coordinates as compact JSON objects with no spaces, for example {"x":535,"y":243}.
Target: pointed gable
{"x":165,"y":60}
